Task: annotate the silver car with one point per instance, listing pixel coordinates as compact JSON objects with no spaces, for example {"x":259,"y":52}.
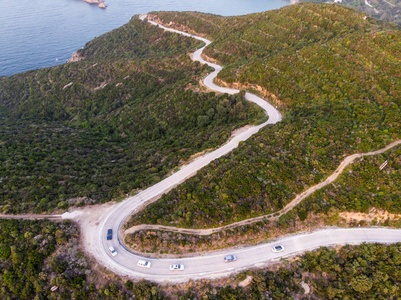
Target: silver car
{"x":176,"y":267}
{"x":230,"y":258}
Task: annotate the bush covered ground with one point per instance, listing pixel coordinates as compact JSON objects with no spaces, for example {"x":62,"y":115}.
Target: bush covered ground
{"x":360,"y":187}
{"x":334,"y":72}
{"x":386,"y":10}
{"x":45,"y":256}
{"x":44,"y":262}
{"x":118,"y":121}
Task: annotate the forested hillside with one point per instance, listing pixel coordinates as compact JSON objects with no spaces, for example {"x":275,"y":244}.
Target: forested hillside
{"x":132,"y":110}
{"x":24,"y":248}
{"x":44,"y":262}
{"x":369,"y":193}
{"x":362,"y":186}
{"x":386,"y":10}
{"x":117,"y":121}
{"x":335,"y":73}
{"x":359,"y":272}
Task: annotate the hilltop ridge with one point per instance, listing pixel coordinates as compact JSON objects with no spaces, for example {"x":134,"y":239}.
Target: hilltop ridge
{"x":131,"y":109}
{"x":134,"y":108}
{"x":333,"y":71}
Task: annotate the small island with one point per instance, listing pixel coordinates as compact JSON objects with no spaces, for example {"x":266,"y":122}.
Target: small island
{"x":99,"y":2}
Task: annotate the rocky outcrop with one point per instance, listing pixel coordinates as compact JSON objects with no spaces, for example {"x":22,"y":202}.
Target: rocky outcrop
{"x":100,"y":2}
{"x":75,"y":57}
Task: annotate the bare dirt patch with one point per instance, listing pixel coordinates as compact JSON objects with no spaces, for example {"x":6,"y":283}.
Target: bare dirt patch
{"x":88,"y":220}
{"x":306,"y":287}
{"x":101,"y":86}
{"x":246,"y":281}
{"x":374,"y":214}
{"x":261,"y":90}
{"x":196,"y":155}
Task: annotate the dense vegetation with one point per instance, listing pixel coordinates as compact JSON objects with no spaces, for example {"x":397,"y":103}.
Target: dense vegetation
{"x":25,"y":246}
{"x":45,"y":255}
{"x":387,"y":10}
{"x":362,"y":186}
{"x":359,"y":188}
{"x":115,"y":122}
{"x":368,"y":271}
{"x":121,"y":125}
{"x":336,"y":74}
{"x":364,"y":272}
{"x":156,"y":243}
{"x":44,"y":262}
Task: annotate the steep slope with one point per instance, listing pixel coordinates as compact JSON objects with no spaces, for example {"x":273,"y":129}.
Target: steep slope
{"x":114,"y":122}
{"x":386,"y":10}
{"x":336,"y":73}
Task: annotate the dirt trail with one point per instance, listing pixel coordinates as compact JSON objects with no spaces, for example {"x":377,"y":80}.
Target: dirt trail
{"x":31,"y":217}
{"x":273,"y":216}
{"x":90,"y":218}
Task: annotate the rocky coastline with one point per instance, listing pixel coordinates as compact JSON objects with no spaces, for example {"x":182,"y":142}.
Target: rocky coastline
{"x":99,"y":2}
{"x":75,"y":57}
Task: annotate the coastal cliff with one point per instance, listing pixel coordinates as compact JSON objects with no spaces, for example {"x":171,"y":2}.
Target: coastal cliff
{"x":99,"y":2}
{"x":75,"y":57}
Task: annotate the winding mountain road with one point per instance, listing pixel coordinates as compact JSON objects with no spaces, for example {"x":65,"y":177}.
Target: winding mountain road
{"x":210,"y":265}
{"x":273,"y":216}
{"x":125,"y":260}
{"x":213,"y":265}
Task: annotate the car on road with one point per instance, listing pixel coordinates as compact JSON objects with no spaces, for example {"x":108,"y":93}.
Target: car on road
{"x":176,"y":267}
{"x":144,"y":263}
{"x":109,"y":234}
{"x":113,"y":251}
{"x":278,"y":248}
{"x":230,"y":258}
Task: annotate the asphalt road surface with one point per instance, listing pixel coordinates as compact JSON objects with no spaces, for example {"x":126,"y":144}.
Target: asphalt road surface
{"x":213,"y":265}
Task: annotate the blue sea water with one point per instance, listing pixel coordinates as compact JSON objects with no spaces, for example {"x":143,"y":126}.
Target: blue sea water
{"x":43,"y":33}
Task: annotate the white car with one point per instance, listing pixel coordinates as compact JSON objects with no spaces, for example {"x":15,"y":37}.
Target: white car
{"x":113,"y":251}
{"x":144,"y":263}
{"x":176,"y":267}
{"x":278,"y":248}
